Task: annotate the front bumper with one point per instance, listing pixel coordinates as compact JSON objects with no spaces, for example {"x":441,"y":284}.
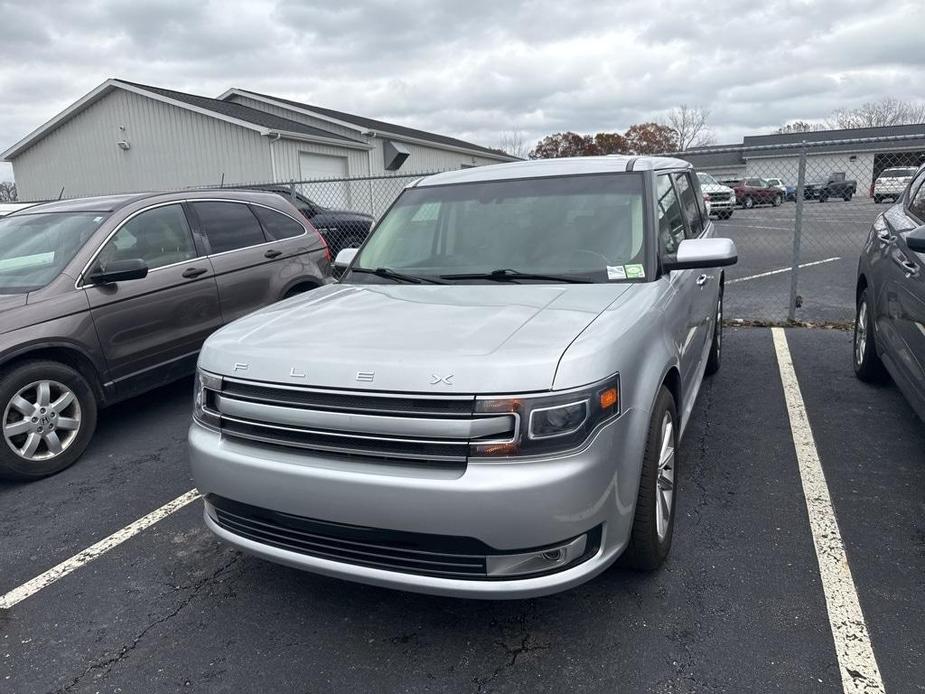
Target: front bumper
{"x":508,"y":506}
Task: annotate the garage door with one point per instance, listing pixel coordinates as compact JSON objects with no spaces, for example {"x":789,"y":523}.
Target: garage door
{"x":326,"y":167}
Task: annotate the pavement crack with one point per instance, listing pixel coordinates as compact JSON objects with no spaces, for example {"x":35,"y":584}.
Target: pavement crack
{"x":104,"y":666}
{"x":525,"y":643}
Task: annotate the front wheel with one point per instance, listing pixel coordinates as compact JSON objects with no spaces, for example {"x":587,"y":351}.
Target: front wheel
{"x":653,"y":523}
{"x":776,"y":200}
{"x":822,"y":197}
{"x":748,"y":203}
{"x":847,"y":197}
{"x":867,"y":364}
{"x":48,"y":417}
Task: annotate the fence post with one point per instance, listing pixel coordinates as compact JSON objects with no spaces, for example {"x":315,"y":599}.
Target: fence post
{"x":797,"y":234}
{"x":292,"y":191}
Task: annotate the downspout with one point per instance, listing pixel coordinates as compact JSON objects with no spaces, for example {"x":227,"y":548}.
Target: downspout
{"x":369,"y":171}
{"x":273,"y":172}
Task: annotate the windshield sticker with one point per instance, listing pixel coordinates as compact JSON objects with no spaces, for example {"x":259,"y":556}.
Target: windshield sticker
{"x":634,"y":272}
{"x":616,"y":272}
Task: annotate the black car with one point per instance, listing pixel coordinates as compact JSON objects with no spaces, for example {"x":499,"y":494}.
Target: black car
{"x":889,"y":332}
{"x":340,"y":228}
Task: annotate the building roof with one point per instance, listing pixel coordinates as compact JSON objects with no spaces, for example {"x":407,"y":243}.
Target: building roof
{"x":378,"y":126}
{"x":567,"y":166}
{"x":238,"y":114}
{"x":241,"y":112}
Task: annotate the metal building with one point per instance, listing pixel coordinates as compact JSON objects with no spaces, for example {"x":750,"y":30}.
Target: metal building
{"x":124,"y":136}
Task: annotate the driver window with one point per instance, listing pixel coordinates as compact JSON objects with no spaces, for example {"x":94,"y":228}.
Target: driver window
{"x":160,"y":237}
{"x":670,"y":220}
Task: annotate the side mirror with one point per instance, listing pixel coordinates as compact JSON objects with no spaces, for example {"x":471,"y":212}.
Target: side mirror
{"x":702,"y":253}
{"x":344,"y":258}
{"x":915,"y":240}
{"x":120,"y":271}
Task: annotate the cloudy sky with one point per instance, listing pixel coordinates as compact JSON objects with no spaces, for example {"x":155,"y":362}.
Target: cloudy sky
{"x":478,"y":68}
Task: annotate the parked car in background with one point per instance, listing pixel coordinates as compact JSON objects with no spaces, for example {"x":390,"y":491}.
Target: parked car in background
{"x":836,"y":186}
{"x":754,"y":191}
{"x":891,"y":183}
{"x":721,"y":199}
{"x":889,"y":333}
{"x":7,"y":208}
{"x":104,"y":298}
{"x":779,"y":184}
{"x":490,"y":403}
{"x":340,"y":228}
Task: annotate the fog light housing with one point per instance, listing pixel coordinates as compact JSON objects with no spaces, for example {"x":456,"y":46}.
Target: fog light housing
{"x":203,"y":408}
{"x":540,"y":561}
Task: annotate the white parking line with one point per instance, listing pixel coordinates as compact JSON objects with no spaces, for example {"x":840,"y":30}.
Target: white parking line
{"x":859,"y":671}
{"x":783,"y":269}
{"x":93,"y":551}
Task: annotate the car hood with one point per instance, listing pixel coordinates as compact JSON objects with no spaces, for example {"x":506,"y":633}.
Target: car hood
{"x":412,"y":338}
{"x":711,"y":188}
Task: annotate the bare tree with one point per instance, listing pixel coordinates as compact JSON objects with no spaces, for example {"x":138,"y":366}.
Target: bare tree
{"x":799,"y":126}
{"x":690,"y":126}
{"x":7,"y":191}
{"x":887,"y":111}
{"x":514,"y":143}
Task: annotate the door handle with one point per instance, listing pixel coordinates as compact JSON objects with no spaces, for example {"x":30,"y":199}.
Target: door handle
{"x":192,"y":272}
{"x":272,"y":253}
{"x":702,"y":280}
{"x":909,"y":268}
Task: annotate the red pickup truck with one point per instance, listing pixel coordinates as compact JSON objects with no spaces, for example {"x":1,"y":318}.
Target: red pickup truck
{"x":755,"y":191}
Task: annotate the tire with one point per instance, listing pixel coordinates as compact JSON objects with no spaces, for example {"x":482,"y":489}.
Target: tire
{"x":748,"y":203}
{"x":877,"y":200}
{"x":776,"y":200}
{"x":716,"y":347}
{"x":29,"y":381}
{"x":867,"y":364}
{"x":650,"y":539}
{"x":846,"y":197}
{"x":823,"y":197}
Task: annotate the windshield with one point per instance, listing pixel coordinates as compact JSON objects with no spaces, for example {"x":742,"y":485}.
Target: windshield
{"x":34,"y":248}
{"x":898,"y":173}
{"x":587,"y":228}
{"x":707,"y":180}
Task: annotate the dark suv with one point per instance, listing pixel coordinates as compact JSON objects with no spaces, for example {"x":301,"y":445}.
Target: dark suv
{"x":105,"y":298}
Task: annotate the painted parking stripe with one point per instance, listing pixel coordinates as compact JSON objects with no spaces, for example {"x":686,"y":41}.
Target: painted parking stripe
{"x":781,"y":270}
{"x":83,"y":558}
{"x":858,"y":666}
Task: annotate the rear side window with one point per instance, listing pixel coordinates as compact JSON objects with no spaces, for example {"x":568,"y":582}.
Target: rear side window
{"x":228,"y":225}
{"x":277,"y":225}
{"x":670,"y":220}
{"x":689,"y":203}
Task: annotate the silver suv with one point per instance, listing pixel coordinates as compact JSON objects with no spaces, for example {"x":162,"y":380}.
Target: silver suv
{"x":490,"y":402}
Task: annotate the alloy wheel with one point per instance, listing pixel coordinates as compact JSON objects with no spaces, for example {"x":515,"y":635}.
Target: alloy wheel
{"x":860,"y":333}
{"x":664,"y":483}
{"x":41,"y":420}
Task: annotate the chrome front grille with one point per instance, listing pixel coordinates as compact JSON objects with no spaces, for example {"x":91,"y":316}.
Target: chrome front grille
{"x":718,"y":197}
{"x":420,"y":428}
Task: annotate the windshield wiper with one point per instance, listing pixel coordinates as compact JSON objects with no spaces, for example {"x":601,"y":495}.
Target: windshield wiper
{"x":509,"y":274}
{"x":391,"y":274}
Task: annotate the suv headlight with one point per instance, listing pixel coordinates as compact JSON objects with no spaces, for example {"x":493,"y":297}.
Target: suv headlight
{"x":553,"y":422}
{"x":204,"y":389}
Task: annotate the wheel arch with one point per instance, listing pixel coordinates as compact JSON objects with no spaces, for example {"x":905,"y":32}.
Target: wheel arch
{"x":63,"y":353}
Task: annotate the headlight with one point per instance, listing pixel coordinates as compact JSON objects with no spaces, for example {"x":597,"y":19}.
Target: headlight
{"x":553,"y":422}
{"x":204,"y":389}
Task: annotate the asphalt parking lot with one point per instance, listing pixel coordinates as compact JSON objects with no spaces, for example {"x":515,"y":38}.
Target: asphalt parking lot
{"x":739,"y":606}
{"x":833,"y":236}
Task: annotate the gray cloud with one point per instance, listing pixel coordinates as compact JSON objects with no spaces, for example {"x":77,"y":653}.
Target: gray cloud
{"x":477,"y":68}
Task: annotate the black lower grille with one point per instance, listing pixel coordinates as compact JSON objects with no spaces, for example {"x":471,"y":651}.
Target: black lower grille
{"x":414,"y":553}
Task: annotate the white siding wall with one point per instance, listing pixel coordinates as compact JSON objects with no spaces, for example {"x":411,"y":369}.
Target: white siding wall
{"x":818,"y":168}
{"x":170,"y":148}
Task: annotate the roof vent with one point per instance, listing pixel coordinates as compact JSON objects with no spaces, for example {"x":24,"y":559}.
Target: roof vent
{"x":394,"y":155}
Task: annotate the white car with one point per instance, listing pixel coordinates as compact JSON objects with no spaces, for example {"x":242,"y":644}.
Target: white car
{"x":720,"y":199}
{"x":891,"y":183}
{"x":777,"y":183}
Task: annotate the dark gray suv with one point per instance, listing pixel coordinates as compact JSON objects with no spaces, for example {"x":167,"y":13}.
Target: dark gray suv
{"x":889,"y":332}
{"x":104,"y":298}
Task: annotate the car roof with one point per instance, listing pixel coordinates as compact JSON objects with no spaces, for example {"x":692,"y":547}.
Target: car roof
{"x":111,"y":203}
{"x":537,"y":168}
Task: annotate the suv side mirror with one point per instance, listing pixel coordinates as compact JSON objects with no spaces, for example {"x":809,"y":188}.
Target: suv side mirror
{"x":702,"y":253}
{"x":344,"y":258}
{"x":120,"y":271}
{"x":915,"y":240}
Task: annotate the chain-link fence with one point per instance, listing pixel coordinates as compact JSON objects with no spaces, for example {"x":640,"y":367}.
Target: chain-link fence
{"x":799,"y":214}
